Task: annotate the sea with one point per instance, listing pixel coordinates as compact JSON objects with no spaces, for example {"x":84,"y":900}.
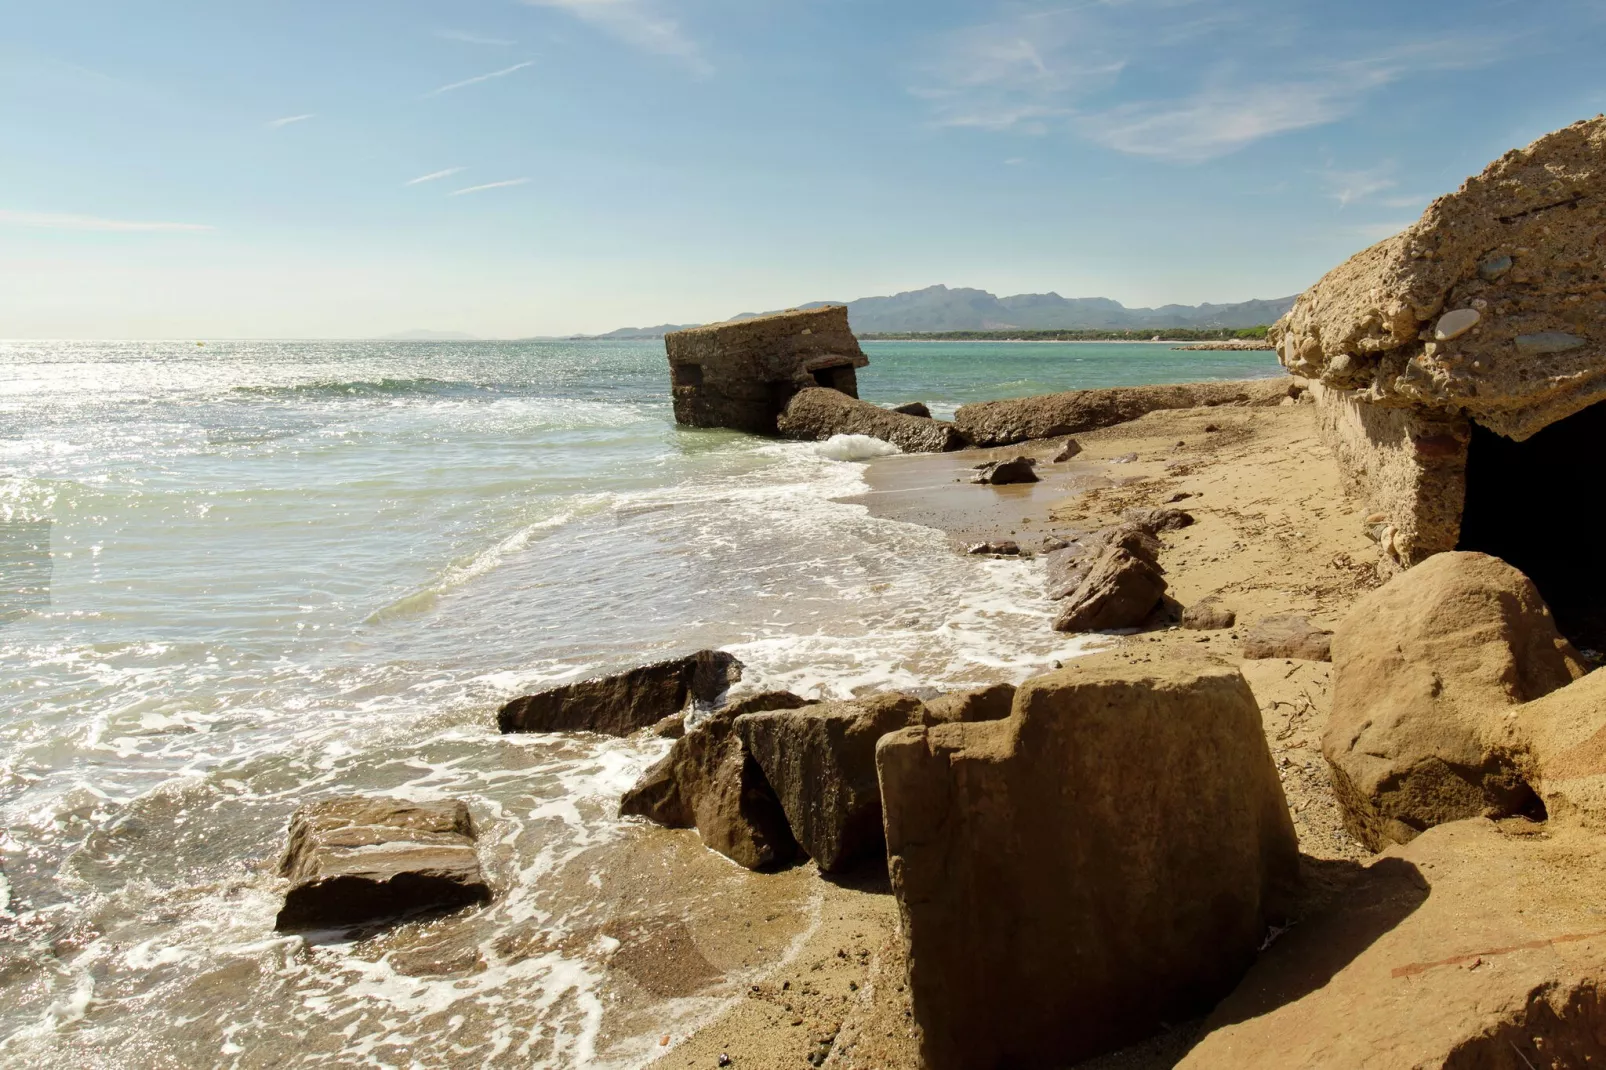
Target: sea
{"x":240,"y":576}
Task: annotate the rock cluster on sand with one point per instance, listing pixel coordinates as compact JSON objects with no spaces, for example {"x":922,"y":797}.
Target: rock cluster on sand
{"x":773,"y":772}
{"x":818,"y":414}
{"x":357,"y":859}
{"x":820,"y":760}
{"x":1121,"y":590}
{"x":1485,"y":313}
{"x":1105,"y":860}
{"x":742,"y":373}
{"x":1003,"y":423}
{"x":709,"y":782}
{"x":621,"y":704}
{"x":1427,"y":672}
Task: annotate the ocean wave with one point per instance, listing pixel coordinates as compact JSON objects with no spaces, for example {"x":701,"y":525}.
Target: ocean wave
{"x":378,"y":388}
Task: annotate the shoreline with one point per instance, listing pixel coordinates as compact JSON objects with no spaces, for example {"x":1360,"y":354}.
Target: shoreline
{"x":1273,"y":534}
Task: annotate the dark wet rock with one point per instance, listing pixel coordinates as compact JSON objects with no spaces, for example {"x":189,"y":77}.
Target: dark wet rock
{"x":622,"y":704}
{"x":671,"y":727}
{"x":997,"y":548}
{"x":1000,"y":473}
{"x":821,"y":762}
{"x":1120,"y":591}
{"x":358,"y":859}
{"x":1288,"y":635}
{"x":913,"y":408}
{"x":709,"y":782}
{"x":818,"y":413}
{"x":1103,"y":862}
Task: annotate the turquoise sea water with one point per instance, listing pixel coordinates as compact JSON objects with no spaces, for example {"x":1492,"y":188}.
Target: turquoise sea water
{"x":237,"y":577}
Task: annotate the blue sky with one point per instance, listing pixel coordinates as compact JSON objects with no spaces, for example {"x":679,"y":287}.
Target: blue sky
{"x":347,"y":168}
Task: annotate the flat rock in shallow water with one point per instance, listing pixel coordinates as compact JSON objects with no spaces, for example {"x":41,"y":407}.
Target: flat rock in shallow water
{"x":359,"y":859}
{"x":621,"y":704}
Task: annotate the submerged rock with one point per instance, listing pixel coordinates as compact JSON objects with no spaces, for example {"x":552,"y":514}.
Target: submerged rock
{"x":1004,"y":423}
{"x":360,"y":859}
{"x":1426,"y":670}
{"x":818,"y":413}
{"x":821,"y":762}
{"x":996,"y":548}
{"x":1104,"y":861}
{"x":621,"y":704}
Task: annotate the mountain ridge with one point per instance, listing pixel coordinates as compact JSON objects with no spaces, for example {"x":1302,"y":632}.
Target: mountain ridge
{"x":940,"y":308}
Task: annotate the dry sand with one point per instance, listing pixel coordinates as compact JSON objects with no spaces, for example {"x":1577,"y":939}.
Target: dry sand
{"x":1274,"y":534}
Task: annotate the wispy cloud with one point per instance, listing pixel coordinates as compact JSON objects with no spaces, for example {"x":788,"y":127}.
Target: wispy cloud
{"x":640,"y":24}
{"x":478,"y":78}
{"x":288,"y":119}
{"x":489,"y":185}
{"x":433,"y":175}
{"x":1064,"y":66}
{"x":473,"y":38}
{"x":59,"y":221}
{"x":1351,"y":187}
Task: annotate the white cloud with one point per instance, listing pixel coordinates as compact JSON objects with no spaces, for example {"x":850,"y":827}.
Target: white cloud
{"x":59,"y":221}
{"x":288,"y":119}
{"x":488,"y":185}
{"x":1351,"y":187}
{"x":478,"y":78}
{"x":472,"y":38}
{"x":639,"y":24}
{"x":1065,"y":67}
{"x":433,"y":175}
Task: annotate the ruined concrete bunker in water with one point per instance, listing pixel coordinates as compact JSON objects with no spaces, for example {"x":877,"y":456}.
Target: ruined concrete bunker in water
{"x":1460,"y":372}
{"x":741,"y":374}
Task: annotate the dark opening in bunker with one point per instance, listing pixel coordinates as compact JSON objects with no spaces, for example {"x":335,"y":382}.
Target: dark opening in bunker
{"x":838,"y":377}
{"x":686,"y":374}
{"x":1539,"y":506}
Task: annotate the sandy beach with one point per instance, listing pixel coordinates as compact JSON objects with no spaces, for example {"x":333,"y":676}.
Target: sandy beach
{"x":1270,"y":537}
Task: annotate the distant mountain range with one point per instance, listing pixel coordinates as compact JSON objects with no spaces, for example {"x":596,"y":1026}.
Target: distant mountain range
{"x":938,"y":308}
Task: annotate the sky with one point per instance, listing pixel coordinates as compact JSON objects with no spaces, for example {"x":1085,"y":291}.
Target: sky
{"x":511,"y":168}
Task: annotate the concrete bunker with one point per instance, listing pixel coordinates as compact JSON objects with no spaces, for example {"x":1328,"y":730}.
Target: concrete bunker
{"x":741,"y":374}
{"x":1459,"y":370}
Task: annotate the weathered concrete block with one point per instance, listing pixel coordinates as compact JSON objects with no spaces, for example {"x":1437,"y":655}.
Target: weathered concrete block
{"x":1105,"y":860}
{"x":741,"y":374}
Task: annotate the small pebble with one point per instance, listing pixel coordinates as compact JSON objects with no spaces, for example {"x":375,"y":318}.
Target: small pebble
{"x":1494,"y":267}
{"x":724,"y":1060}
{"x":1455,"y":324}
{"x":1547,"y":342}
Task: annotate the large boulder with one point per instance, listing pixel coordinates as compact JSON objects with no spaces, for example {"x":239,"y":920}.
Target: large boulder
{"x":1426,"y":670}
{"x":1003,"y":423}
{"x":621,"y":704}
{"x":1106,"y":860}
{"x":1120,"y":591}
{"x":709,"y":782}
{"x":357,"y":859}
{"x":1472,"y":948}
{"x":1069,"y":565}
{"x":821,"y":762}
{"x":818,"y":413}
{"x":1487,"y":306}
{"x":1559,"y":743}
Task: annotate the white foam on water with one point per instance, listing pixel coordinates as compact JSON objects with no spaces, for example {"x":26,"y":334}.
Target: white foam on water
{"x":855,"y":448}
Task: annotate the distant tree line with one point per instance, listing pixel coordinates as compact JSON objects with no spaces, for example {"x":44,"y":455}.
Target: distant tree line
{"x":1136,"y":334}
